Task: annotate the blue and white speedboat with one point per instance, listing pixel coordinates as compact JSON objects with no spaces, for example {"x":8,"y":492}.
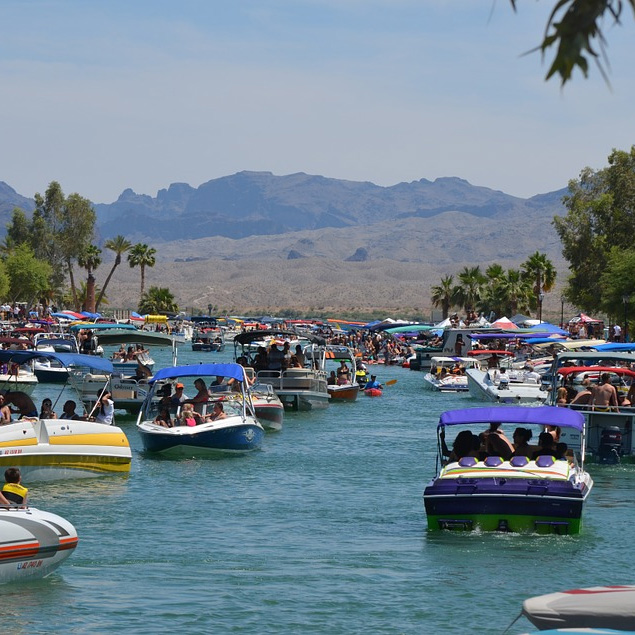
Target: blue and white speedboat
{"x":237,"y":432}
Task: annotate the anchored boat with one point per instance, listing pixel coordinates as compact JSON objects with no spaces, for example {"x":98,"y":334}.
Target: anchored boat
{"x":543,"y":495}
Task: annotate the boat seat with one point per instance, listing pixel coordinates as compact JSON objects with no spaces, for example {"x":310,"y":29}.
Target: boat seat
{"x":493,"y":461}
{"x":518,"y":461}
{"x":545,"y":460}
{"x":468,"y":461}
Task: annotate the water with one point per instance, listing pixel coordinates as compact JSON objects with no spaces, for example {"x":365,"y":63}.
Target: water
{"x":323,"y":531}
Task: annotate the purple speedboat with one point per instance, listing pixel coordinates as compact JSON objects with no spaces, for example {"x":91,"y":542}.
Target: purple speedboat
{"x":502,"y":493}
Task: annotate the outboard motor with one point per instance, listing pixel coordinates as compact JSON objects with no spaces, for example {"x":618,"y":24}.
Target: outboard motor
{"x":610,"y":449}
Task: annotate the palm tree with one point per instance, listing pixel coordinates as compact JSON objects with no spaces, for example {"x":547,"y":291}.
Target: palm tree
{"x":540,"y":270}
{"x":120,"y":245}
{"x":514,"y":292}
{"x":90,"y":259}
{"x":470,"y":288}
{"x":444,"y":295}
{"x":142,"y":256}
{"x":158,"y":300}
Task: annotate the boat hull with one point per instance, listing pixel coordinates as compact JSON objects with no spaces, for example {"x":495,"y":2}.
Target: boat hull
{"x":56,"y":449}
{"x":183,"y":441}
{"x":34,"y":543}
{"x":344,"y":393}
{"x":505,"y":504}
{"x":51,"y":375}
{"x":269,"y":413}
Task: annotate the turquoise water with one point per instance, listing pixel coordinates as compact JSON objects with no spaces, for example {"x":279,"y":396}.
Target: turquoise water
{"x":323,"y":531}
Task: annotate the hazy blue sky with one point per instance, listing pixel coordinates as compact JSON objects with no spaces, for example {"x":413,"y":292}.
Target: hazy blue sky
{"x":106,"y":95}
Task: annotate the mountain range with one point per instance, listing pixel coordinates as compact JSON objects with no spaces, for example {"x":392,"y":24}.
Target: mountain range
{"x":286,"y":225}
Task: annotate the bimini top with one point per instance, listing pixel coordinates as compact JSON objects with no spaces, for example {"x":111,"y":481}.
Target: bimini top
{"x":235,"y":371}
{"x":90,"y":326}
{"x":66,"y":359}
{"x":594,"y":370}
{"x":542,"y":415}
{"x":131,"y":336}
{"x":252,"y":336}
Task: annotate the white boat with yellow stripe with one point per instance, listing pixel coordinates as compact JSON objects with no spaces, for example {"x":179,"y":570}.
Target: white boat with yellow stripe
{"x":55,"y":449}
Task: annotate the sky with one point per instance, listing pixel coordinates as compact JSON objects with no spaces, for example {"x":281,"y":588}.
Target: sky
{"x":107,"y":95}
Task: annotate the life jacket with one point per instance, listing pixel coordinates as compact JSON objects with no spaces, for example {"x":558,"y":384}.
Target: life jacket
{"x":14,"y":492}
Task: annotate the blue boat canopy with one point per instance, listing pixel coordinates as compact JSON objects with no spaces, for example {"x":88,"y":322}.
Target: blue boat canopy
{"x":542,"y":415}
{"x":236,"y":371}
{"x":66,"y":359}
{"x":614,"y":346}
{"x":102,"y":327}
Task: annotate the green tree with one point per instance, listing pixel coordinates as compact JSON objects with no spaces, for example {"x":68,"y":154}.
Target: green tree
{"x":58,"y":231}
{"x":5,"y":282}
{"x":618,"y":284}
{"x":470,"y":288}
{"x":29,"y":277}
{"x":142,"y":256}
{"x":158,"y":300}
{"x":444,"y":295}
{"x":120,"y":245}
{"x":574,"y":28}
{"x":515,"y":292}
{"x":600,"y":216}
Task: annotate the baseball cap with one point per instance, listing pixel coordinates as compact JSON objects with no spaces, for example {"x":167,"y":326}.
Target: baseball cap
{"x":180,"y":386}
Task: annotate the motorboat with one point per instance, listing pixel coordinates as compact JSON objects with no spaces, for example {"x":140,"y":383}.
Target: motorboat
{"x":349,"y":390}
{"x":517,"y":494}
{"x":442,"y":377}
{"x":267,"y":405}
{"x":238,"y":432}
{"x":54,"y":449}
{"x":298,"y":388}
{"x":34,"y":543}
{"x":50,"y":371}
{"x":207,"y":335}
{"x":504,"y":383}
{"x":600,"y":607}
{"x":610,"y":429}
{"x":127,"y":387}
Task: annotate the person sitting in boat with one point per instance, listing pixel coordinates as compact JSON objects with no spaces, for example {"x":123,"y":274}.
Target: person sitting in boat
{"x":202,"y":396}
{"x":555,"y":432}
{"x":13,"y":490}
{"x":585,"y":396}
{"x":120,"y":354}
{"x":163,"y":418}
{"x":142,"y":371}
{"x":179,"y":396}
{"x":189,"y":416}
{"x":493,"y":362}
{"x":546,"y":446}
{"x":131,"y":354}
{"x":457,"y":369}
{"x":218,"y":412}
{"x":561,"y":450}
{"x":562,"y":396}
{"x":5,"y":411}
{"x":499,"y":444}
{"x":104,"y":408}
{"x":331,"y":379}
{"x":68,"y":411}
{"x":373,"y":383}
{"x":466,"y":443}
{"x":294,"y":362}
{"x":47,"y":410}
{"x":23,"y":403}
{"x":522,"y":437}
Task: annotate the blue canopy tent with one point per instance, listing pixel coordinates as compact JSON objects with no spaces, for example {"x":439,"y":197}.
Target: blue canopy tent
{"x":545,"y":327}
{"x":235,"y":371}
{"x":542,"y":415}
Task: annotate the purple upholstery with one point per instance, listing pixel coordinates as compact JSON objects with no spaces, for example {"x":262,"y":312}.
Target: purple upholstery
{"x":544,"y":460}
{"x":468,"y":461}
{"x":493,"y":461}
{"x":518,"y":461}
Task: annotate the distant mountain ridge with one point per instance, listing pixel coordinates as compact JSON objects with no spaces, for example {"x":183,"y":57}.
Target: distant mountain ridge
{"x":260,"y":203}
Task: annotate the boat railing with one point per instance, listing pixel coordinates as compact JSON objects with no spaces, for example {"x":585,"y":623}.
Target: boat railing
{"x":293,"y":379}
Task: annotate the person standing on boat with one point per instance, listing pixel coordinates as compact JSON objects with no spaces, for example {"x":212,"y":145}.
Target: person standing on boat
{"x":458,"y":345}
{"x":300,"y":355}
{"x":105,"y":408}
{"x":202,"y":396}
{"x":605,"y":394}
